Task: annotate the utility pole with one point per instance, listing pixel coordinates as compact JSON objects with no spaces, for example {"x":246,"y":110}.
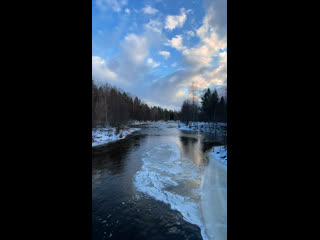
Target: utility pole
{"x":106,"y":110}
{"x":193,"y":104}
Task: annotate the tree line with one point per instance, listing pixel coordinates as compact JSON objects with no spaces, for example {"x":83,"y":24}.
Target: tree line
{"x":111,"y":106}
{"x":212,"y":109}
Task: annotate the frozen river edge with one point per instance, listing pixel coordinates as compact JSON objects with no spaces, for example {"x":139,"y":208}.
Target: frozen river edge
{"x":214,"y":198}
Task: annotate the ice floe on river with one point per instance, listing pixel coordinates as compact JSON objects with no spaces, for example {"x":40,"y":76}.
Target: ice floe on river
{"x":214,"y":198}
{"x":167,"y":177}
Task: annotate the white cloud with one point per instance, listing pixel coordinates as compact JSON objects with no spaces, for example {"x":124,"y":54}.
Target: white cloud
{"x":181,"y":93}
{"x":127,"y":10}
{"x":149,"y":10}
{"x":132,"y":63}
{"x":209,"y":47}
{"x":152,"y":63}
{"x":116,"y":5}
{"x":100,"y":70}
{"x":154,"y":25}
{"x":127,"y":67}
{"x":165,"y":54}
{"x":135,"y":47}
{"x":216,"y":14}
{"x":175,"y":21}
{"x":176,"y":42}
{"x":218,"y":75}
{"x":223,"y":57}
{"x":190,"y":33}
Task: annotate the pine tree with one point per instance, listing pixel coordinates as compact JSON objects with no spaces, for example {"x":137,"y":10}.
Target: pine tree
{"x":213,"y":105}
{"x":206,"y":105}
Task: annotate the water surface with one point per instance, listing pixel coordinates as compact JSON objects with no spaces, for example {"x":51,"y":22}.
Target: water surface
{"x":147,"y":185}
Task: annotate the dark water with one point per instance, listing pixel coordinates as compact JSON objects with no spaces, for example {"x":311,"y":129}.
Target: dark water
{"x":117,"y":212}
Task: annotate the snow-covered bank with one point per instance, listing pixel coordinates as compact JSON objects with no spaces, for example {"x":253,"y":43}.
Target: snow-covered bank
{"x":102,"y":136}
{"x":132,"y":123}
{"x":203,"y":126}
{"x":220,"y":154}
{"x":214,"y":195}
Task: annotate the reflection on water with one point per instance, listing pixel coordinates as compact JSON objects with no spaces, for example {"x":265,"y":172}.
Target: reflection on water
{"x":112,"y":157}
{"x":119,"y":211}
{"x":192,"y":148}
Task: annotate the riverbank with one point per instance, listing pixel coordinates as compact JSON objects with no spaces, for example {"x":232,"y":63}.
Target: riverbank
{"x":219,"y":153}
{"x":203,"y":126}
{"x":214,"y":194}
{"x":101,"y":136}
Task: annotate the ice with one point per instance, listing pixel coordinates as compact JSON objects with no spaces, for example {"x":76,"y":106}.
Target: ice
{"x":162,"y":176}
{"x":214,"y":191}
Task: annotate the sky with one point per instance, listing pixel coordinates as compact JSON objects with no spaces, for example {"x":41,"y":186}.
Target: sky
{"x":157,"y":49}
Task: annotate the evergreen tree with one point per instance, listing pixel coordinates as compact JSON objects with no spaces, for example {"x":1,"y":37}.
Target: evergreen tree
{"x":205,"y":100}
{"x":213,"y":105}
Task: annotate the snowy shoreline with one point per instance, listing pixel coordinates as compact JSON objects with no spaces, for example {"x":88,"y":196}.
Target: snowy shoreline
{"x":202,"y":126}
{"x":101,"y":136}
{"x":104,"y":135}
{"x":219,"y":153}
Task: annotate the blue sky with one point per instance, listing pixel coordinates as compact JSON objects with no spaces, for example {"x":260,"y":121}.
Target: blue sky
{"x":157,"y":49}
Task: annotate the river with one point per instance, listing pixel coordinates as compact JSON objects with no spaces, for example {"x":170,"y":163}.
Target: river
{"x":150,"y":186}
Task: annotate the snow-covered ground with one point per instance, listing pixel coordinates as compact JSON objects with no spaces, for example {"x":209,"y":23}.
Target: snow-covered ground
{"x":148,"y":122}
{"x":202,"y":126}
{"x":220,"y":154}
{"x":102,"y":136}
{"x":214,"y":195}
{"x":134,"y":122}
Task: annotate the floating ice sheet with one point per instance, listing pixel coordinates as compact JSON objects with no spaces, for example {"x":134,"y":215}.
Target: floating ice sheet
{"x":162,"y":177}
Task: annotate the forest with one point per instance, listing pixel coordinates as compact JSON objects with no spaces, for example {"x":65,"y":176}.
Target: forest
{"x":115,"y":107}
{"x":212,"y":109}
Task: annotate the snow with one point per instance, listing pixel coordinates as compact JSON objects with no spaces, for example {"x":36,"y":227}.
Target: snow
{"x":135,"y":122}
{"x":220,"y":154}
{"x":163,"y":176}
{"x":202,"y":126}
{"x":102,"y":136}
